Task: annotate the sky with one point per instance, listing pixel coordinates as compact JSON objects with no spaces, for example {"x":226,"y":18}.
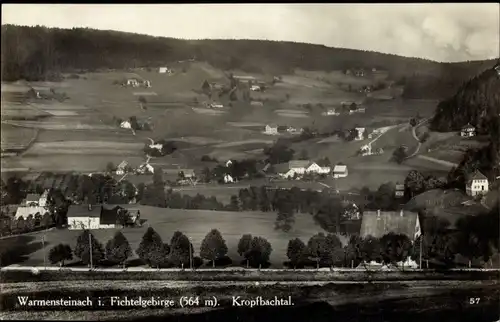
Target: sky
{"x":443,"y":32}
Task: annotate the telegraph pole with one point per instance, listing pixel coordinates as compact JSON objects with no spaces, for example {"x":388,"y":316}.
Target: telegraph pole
{"x":90,"y":246}
{"x":44,"y":255}
{"x":421,"y":242}
{"x":190,"y":254}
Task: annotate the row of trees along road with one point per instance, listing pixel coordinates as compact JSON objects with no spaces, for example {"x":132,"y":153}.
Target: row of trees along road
{"x":476,"y":237}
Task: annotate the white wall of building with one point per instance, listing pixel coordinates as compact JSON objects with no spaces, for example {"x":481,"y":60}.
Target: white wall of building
{"x":75,"y":223}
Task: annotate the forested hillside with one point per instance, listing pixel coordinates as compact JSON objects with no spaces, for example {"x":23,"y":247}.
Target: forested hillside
{"x":34,"y":53}
{"x":476,"y":102}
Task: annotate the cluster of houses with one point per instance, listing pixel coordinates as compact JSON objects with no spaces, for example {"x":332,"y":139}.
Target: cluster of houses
{"x":125,"y":167}
{"x":135,"y":82}
{"x":296,"y":169}
{"x":274,"y":129}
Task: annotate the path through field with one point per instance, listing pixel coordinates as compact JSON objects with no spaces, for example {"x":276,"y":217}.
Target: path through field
{"x":441,"y":162}
{"x":414,"y":134}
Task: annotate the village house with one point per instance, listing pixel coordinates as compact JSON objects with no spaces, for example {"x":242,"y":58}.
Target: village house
{"x":164,"y":70}
{"x":340,"y":171}
{"x":399,"y":190}
{"x":256,"y":103}
{"x":229,"y":163}
{"x":379,"y":223}
{"x":361,"y":134}
{"x":477,"y":184}
{"x":98,"y":216}
{"x":468,"y":131}
{"x":132,"y":82}
{"x":145,"y":168}
{"x":271,"y":129}
{"x":255,"y":88}
{"x":228,"y":178}
{"x":216,"y":105}
{"x":122,"y":168}
{"x":332,"y":112}
{"x":33,"y":204}
{"x":125,"y":125}
{"x":146,"y":83}
{"x":299,"y":168}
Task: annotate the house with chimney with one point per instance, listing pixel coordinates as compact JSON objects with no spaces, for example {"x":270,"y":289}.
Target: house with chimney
{"x":33,"y":204}
{"x":477,"y":184}
{"x":99,"y":216}
{"x":296,"y":168}
{"x":468,"y":131}
{"x":271,"y":129}
{"x":379,"y":223}
{"x":340,"y":171}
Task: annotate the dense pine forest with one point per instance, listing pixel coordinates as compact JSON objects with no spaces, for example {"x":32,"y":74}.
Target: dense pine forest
{"x":39,"y":53}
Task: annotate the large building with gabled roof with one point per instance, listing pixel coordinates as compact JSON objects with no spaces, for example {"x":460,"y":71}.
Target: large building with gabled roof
{"x":477,"y":184}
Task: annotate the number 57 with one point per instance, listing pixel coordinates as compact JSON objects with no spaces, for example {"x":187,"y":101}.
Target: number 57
{"x":474,"y":300}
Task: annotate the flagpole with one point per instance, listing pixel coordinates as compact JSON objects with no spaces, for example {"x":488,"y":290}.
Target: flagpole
{"x":421,"y":242}
{"x":90,"y":246}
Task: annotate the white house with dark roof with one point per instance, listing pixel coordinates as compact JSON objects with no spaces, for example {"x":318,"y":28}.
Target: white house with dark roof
{"x":271,"y":129}
{"x":121,"y":168}
{"x":340,"y":171}
{"x":468,"y":131}
{"x":98,"y":216}
{"x":477,"y":184}
{"x":299,"y":168}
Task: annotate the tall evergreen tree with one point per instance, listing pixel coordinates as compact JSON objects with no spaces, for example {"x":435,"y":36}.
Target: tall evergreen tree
{"x":150,"y":241}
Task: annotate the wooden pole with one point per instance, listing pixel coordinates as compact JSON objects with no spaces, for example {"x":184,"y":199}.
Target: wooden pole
{"x":90,"y":246}
{"x":421,"y":247}
{"x":44,"y":255}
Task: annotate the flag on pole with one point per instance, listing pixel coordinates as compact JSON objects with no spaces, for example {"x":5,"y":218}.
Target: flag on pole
{"x":418,"y":230}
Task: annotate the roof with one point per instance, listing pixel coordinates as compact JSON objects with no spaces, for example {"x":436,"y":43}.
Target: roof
{"x":299,"y":164}
{"x":389,"y":221}
{"x":400,"y":187}
{"x":123,"y":164}
{"x":109,"y":214}
{"x":477,"y":175}
{"x":272,"y":125}
{"x":32,"y":197}
{"x":83,"y":211}
{"x":468,"y":126}
{"x":281,"y":168}
{"x":340,"y":168}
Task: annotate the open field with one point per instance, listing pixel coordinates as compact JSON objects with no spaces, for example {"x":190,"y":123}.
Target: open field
{"x":14,"y":137}
{"x":60,"y":125}
{"x":240,"y":143}
{"x":91,"y":148}
{"x":207,"y":111}
{"x":246,"y":124}
{"x":116,"y":135}
{"x":195,"y":224}
{"x":197,"y":140}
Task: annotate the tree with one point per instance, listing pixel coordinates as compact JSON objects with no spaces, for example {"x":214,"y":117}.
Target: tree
{"x":118,"y":249}
{"x":123,"y":217}
{"x":260,"y":251}
{"x":317,"y":247}
{"x":234,"y":203}
{"x":60,"y":253}
{"x":414,"y":182}
{"x":181,"y":250}
{"x":303,"y":155}
{"x":110,"y":167}
{"x":413,"y":121}
{"x":159,"y":255}
{"x":285,"y":217}
{"x":333,"y":247}
{"x":279,"y":152}
{"x":21,"y":225}
{"x":370,"y":249}
{"x":82,"y":248}
{"x":133,"y":123}
{"x":30,"y":223}
{"x":213,"y":246}
{"x":244,"y":245}
{"x":296,"y":251}
{"x":205,"y":87}
{"x":399,"y":155}
{"x":395,"y":248}
{"x":150,"y":241}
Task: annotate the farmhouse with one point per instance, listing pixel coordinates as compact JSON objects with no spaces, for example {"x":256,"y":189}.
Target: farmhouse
{"x":228,"y":178}
{"x":477,"y":184}
{"x":125,"y":125}
{"x":340,"y":171}
{"x":255,"y":88}
{"x":164,"y":70}
{"x":122,"y":168}
{"x":146,"y":83}
{"x":300,"y":167}
{"x":399,"y":190}
{"x":379,"y":223}
{"x":132,"y":82}
{"x":361,"y":133}
{"x":271,"y":129}
{"x":332,"y":111}
{"x":468,"y":131}
{"x":145,"y":168}
{"x":98,"y":216}
{"x":256,"y":103}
